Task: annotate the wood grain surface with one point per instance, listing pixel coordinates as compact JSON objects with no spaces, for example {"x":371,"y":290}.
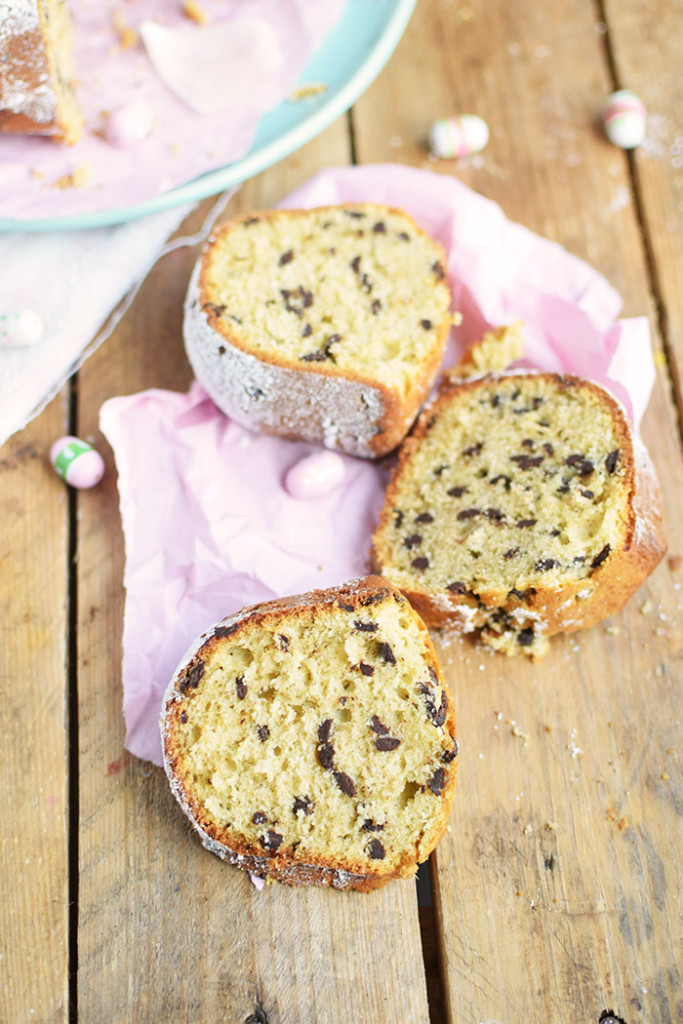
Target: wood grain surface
{"x":557,"y":888}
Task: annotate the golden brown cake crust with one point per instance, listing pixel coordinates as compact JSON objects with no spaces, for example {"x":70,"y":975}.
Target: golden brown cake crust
{"x":556,"y":609}
{"x":314,"y":870}
{"x":305,"y":393}
{"x":29,"y":94}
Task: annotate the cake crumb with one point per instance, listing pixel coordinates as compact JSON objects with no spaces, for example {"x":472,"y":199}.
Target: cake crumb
{"x":195,"y":12}
{"x":612,"y":630}
{"x":665,"y":776}
{"x":78,"y":178}
{"x":308,"y":91}
{"x":646,"y":607}
{"x":527,"y":830}
{"x":127,"y":36}
{"x":675,"y":562}
{"x":552,"y":826}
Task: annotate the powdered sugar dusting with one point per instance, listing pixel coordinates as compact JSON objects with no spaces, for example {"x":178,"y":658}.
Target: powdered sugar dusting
{"x":24,"y":81}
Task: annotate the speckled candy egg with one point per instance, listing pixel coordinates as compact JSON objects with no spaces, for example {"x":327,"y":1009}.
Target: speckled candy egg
{"x":458,"y":136}
{"x":19,"y":329}
{"x":625,"y":119}
{"x":77,"y":462}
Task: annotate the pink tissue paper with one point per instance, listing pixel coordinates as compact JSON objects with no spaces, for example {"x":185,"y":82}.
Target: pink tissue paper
{"x":209,"y":526}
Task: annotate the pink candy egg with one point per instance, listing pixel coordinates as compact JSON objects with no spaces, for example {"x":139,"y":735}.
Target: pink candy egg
{"x":77,"y":462}
{"x":129,"y":125}
{"x":458,"y":136}
{"x":625,"y":119}
{"x":315,"y":475}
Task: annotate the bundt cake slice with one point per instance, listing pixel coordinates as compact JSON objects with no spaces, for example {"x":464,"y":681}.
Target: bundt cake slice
{"x":520,"y":508}
{"x":36,"y":70}
{"x":327,"y":325}
{"x":311,"y":739}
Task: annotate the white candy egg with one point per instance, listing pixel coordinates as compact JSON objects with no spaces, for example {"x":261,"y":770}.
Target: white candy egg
{"x":315,"y":475}
{"x":625,"y":119}
{"x":129,"y":124}
{"x":77,"y":462}
{"x":458,"y":136}
{"x":24,"y":327}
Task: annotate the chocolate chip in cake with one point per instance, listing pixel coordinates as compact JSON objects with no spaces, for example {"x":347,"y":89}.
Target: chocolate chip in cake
{"x":366,"y":670}
{"x":404,"y":236}
{"x":263,"y":732}
{"x":501,"y":476}
{"x":421,"y":563}
{"x":398,"y":517}
{"x":440,"y":469}
{"x":271,"y":841}
{"x":424,"y":517}
{"x":510,"y":553}
{"x":259,"y":818}
{"x":495,"y":514}
{"x":222,"y":350}
{"x":365,"y":627}
{"x":413,"y":540}
{"x":601,"y":556}
{"x":437,"y":781}
{"x":241,"y":688}
{"x":611,"y":461}
{"x":426,"y":325}
{"x":379,"y":228}
{"x":325,"y":753}
{"x":223,"y":631}
{"x":384,"y":743}
{"x":545,"y":564}
{"x":286,"y":257}
{"x":525,"y":524}
{"x":469,"y":513}
{"x":457,"y":587}
{"x":386,"y":654}
{"x":345,"y":783}
{"x":283,"y":642}
{"x":456,"y":492}
{"x":586,"y":494}
{"x":527,"y":461}
{"x":548,"y":448}
{"x":346,"y":607}
{"x":192,"y":676}
{"x":324,"y":730}
{"x":183,"y":717}
{"x":580,"y":462}
{"x":450,"y":755}
{"x":527,"y":443}
{"x":355,"y":214}
{"x":475,"y":449}
{"x":250,"y":221}
{"x":376,"y":850}
{"x":371,"y":826}
{"x":437,"y":716}
{"x":519,"y":594}
{"x":376,"y":306}
{"x":315,"y":357}
{"x":303,"y":805}
{"x":438,"y":270}
{"x":525,"y":637}
{"x":378,"y":726}
{"x":355,"y":264}
{"x":307,"y":331}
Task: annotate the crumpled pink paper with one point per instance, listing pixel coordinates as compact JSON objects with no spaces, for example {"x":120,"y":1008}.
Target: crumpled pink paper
{"x":208,"y":524}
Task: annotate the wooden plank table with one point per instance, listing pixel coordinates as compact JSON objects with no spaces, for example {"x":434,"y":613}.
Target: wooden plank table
{"x":557,"y":889}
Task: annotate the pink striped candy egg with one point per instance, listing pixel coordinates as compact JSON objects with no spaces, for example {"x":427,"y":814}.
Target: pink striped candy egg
{"x":625,"y":119}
